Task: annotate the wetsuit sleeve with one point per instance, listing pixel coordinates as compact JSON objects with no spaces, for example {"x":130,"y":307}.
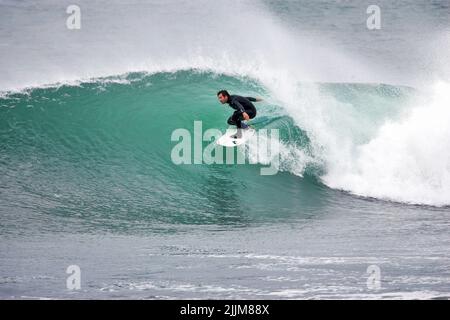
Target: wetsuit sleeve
{"x":239,"y":106}
{"x":251,"y":99}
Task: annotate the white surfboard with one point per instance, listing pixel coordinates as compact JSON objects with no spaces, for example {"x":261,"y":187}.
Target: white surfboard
{"x":227,"y":139}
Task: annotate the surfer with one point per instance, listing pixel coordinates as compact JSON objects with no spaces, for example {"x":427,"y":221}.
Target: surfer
{"x":244,"y":107}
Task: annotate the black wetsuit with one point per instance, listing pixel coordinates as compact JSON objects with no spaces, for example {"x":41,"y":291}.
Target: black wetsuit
{"x":241,"y":104}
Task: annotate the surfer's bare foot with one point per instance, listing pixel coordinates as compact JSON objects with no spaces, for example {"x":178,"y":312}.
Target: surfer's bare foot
{"x":238,"y":134}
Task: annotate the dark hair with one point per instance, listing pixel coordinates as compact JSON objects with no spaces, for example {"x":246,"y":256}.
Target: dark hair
{"x":224,"y":93}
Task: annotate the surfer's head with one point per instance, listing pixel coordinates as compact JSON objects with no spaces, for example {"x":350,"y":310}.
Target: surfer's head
{"x":223,"y":96}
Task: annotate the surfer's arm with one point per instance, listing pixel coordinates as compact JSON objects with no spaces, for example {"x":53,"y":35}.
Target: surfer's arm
{"x":241,"y":109}
{"x":239,"y":106}
{"x":254,"y":99}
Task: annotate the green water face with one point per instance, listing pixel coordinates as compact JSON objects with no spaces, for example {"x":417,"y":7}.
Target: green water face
{"x":100,"y":154}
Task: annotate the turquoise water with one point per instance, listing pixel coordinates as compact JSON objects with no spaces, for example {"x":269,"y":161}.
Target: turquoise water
{"x":104,"y":147}
{"x":88,"y":178}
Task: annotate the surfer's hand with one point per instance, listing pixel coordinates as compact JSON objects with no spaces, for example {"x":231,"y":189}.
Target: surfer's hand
{"x":245,"y":115}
